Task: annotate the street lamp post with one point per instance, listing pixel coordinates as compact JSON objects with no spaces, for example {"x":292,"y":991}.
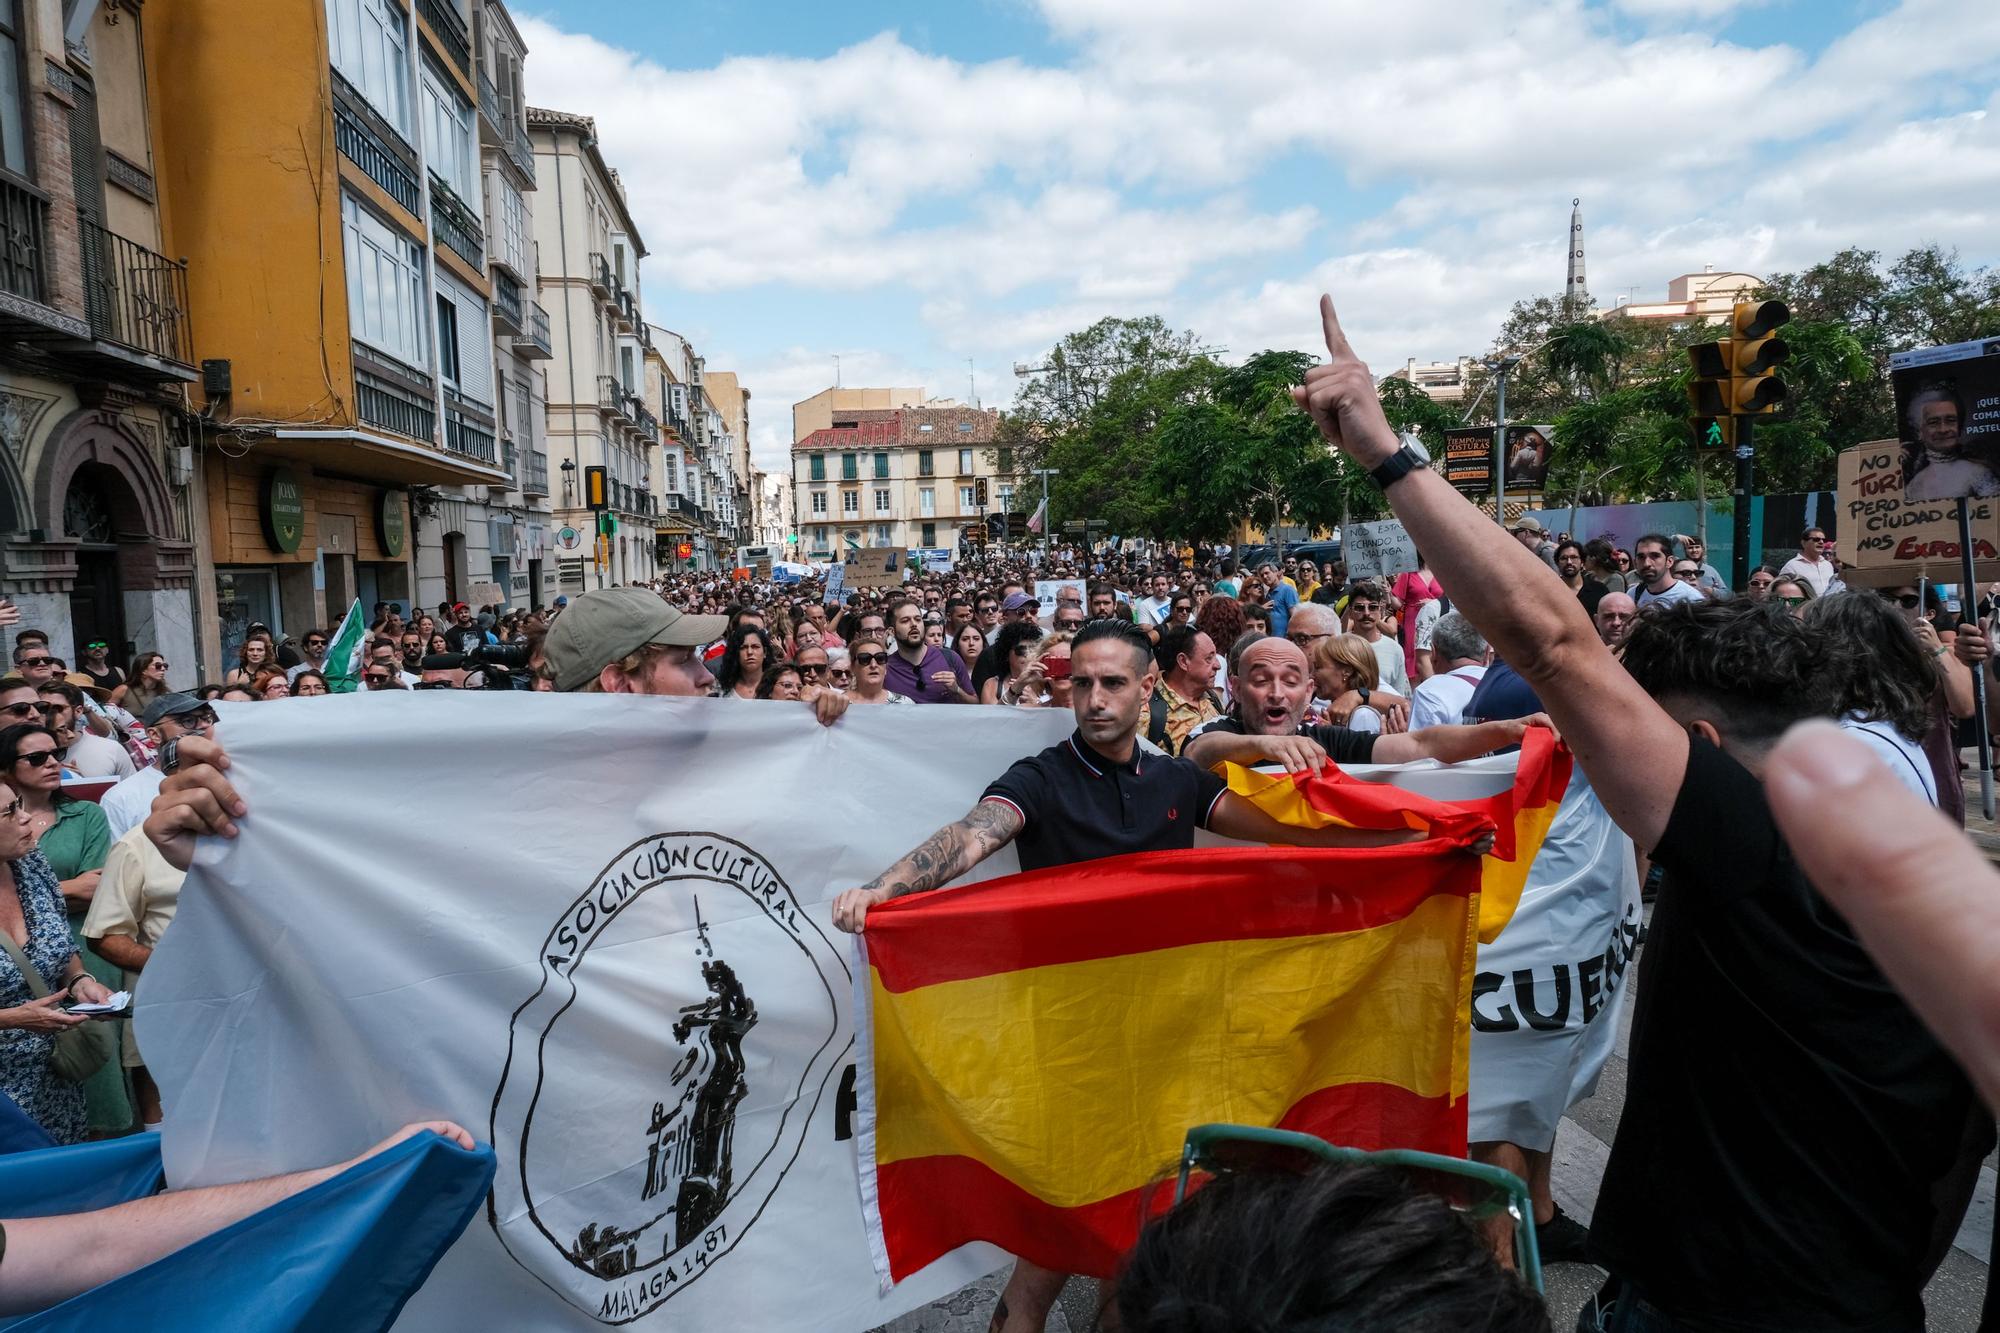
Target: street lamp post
{"x":1500,"y":366}
{"x":1048,"y":519}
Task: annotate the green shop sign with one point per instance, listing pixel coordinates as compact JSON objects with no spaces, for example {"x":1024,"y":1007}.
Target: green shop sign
{"x":284,"y":510}
{"x":391,"y":524}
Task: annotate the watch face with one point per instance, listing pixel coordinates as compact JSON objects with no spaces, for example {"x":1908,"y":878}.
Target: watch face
{"x":1416,"y":446}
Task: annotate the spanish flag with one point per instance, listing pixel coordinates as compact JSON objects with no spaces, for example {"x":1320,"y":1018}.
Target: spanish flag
{"x":1035,"y":1048}
{"x":1520,"y":817}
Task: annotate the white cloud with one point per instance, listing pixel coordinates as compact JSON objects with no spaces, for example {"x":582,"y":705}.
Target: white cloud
{"x":1009,"y":203}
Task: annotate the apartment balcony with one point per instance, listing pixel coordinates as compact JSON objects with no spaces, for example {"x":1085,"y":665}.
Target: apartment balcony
{"x":455,"y":225}
{"x":493,"y":123}
{"x":24,"y":237}
{"x":390,"y":406}
{"x":628,"y":306}
{"x":360,"y":143}
{"x":601,"y":281}
{"x":533,"y":479}
{"x":642,"y":416}
{"x":520,"y":149}
{"x":469,"y":435}
{"x":137,"y":300}
{"x":452,"y":34}
{"x":509,"y":316}
{"x":535,"y":342}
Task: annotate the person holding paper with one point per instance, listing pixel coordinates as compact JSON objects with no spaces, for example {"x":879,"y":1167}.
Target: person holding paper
{"x":135,"y":901}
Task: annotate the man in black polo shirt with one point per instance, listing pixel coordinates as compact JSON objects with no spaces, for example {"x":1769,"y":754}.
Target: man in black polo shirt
{"x":1788,"y":1118}
{"x":1096,"y":794}
{"x":1272,"y":687}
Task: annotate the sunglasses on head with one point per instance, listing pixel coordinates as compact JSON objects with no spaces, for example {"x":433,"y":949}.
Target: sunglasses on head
{"x":1473,"y":1188}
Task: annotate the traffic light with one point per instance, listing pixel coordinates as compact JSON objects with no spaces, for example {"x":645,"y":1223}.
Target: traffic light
{"x":1755,"y":354}
{"x":1717,"y":433}
{"x":596,"y":491}
{"x":1734,"y":376}
{"x":979,"y":488}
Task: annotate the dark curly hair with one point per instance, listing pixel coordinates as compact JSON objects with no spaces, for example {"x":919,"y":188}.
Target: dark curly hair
{"x":1871,"y":662}
{"x":1336,"y":1247}
{"x":1221,"y":619}
{"x":730,"y":673}
{"x":1752,"y":665}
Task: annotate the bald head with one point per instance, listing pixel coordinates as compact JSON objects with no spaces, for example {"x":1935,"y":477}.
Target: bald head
{"x":1615,"y":614}
{"x":1312,"y":618}
{"x":1273,"y":684}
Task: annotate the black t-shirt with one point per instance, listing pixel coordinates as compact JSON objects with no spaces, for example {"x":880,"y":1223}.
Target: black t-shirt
{"x":1590,"y":594}
{"x":1786,"y":1113}
{"x":1341,"y":744}
{"x":1079,"y":806}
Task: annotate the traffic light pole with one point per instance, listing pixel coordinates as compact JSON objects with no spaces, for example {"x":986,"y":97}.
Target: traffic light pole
{"x":1739,"y":555}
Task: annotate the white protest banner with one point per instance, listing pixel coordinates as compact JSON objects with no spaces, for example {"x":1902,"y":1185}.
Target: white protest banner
{"x":933,"y":559}
{"x":1372,"y":550}
{"x":836,"y":583}
{"x":876,"y":567}
{"x":636,"y":994}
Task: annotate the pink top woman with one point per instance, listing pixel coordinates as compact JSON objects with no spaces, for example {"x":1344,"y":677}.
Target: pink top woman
{"x":1412,"y":590}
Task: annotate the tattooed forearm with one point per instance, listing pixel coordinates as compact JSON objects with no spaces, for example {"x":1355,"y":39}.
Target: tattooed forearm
{"x":950,"y":852}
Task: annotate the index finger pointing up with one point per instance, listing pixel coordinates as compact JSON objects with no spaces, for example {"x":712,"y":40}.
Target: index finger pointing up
{"x":1336,"y":341}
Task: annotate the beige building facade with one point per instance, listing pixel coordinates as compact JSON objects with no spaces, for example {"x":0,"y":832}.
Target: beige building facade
{"x":589,"y":250}
{"x":902,"y":476}
{"x":99,"y":514}
{"x":1706,"y":295}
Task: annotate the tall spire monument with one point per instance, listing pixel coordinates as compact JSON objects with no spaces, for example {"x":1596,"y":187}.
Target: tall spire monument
{"x":1575,"y":292}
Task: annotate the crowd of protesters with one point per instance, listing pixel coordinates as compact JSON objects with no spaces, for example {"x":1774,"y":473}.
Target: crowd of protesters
{"x":1256,"y":655}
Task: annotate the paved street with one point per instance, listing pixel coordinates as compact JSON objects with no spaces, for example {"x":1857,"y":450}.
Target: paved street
{"x":1582,"y":1146}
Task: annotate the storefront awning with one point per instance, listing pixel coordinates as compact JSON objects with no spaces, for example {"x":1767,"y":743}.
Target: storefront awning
{"x":382,"y":458}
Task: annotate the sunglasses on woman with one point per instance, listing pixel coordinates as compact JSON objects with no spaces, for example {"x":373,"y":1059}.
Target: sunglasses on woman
{"x":40,"y":758}
{"x":870,"y":659}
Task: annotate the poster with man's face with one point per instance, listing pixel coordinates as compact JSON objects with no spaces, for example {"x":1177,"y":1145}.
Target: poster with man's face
{"x":1948,"y":419}
{"x":1528,"y":451}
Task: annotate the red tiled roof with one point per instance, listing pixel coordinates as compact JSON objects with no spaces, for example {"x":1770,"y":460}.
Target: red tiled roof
{"x":866,"y":432}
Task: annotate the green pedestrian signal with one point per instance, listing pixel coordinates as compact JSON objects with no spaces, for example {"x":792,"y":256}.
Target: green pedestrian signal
{"x":1715,"y":435}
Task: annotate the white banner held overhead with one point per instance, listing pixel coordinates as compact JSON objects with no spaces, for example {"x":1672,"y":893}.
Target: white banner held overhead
{"x":1546,"y":994}
{"x":635,"y":991}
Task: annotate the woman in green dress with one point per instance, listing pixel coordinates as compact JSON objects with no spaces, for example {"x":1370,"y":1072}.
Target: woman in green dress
{"x":75,"y":838}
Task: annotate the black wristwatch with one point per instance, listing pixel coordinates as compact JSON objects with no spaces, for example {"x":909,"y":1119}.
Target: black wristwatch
{"x":1402,"y":463}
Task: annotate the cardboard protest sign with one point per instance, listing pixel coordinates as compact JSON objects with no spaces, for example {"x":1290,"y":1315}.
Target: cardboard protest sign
{"x":1375,"y":549}
{"x":1883,"y":530}
{"x":485,"y":594}
{"x":876,"y":567}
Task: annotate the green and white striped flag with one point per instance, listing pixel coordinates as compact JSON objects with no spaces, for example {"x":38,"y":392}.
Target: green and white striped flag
{"x":343,"y":653}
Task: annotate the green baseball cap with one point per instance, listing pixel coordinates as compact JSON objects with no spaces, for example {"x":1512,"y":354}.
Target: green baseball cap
{"x":600,"y":627}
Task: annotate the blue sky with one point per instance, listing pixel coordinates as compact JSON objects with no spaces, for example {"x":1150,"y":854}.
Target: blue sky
{"x":908,"y":186}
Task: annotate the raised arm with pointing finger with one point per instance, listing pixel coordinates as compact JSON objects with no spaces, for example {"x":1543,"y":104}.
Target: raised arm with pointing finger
{"x":1534,"y":623}
{"x":1721,"y":1204}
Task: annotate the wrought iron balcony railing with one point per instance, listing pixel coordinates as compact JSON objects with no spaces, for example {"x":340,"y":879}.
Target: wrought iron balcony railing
{"x":134,"y":297}
{"x":24,"y":231}
{"x":455,"y":225}
{"x":451,"y":32}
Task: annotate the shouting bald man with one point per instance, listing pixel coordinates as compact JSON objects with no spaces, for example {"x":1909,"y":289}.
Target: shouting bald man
{"x":1273,"y":685}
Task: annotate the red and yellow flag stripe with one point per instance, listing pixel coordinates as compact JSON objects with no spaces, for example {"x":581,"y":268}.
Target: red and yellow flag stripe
{"x":1037,"y":1046}
{"x":1520,"y":816}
